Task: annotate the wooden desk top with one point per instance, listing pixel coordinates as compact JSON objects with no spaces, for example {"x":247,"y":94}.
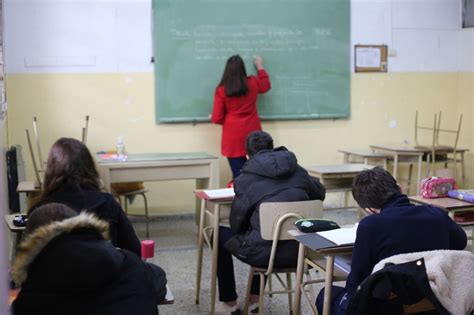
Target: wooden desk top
{"x":153,"y":157}
{"x":349,"y":169}
{"x":365,"y":153}
{"x":27,"y":186}
{"x":443,"y":203}
{"x":399,"y":148}
{"x":9,"y":221}
{"x":326,"y":250}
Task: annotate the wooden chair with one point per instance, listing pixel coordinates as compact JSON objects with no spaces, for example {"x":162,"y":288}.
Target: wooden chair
{"x":126,"y":194}
{"x":276,"y":219}
{"x":36,"y":169}
{"x":440,"y":152}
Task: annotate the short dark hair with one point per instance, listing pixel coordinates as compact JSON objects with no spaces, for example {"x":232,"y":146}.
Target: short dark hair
{"x":374,"y":188}
{"x":258,"y":141}
{"x":234,"y":78}
{"x":49,"y":213}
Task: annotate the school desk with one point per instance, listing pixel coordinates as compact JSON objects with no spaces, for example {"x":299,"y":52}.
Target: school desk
{"x":162,"y":166}
{"x":368,"y":156}
{"x":452,"y":206}
{"x":337,"y":178}
{"x":314,"y":257}
{"x":213,"y":212}
{"x":17,"y":231}
{"x":404,"y":154}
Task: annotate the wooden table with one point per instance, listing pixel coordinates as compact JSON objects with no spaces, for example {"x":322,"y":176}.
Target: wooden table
{"x":162,"y":166}
{"x":452,"y":206}
{"x":304,"y":257}
{"x":368,"y":156}
{"x":337,"y":178}
{"x":407,"y":154}
{"x":213,"y":212}
{"x":17,"y":231}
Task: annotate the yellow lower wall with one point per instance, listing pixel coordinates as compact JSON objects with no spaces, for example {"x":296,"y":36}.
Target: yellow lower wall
{"x":382,"y":111}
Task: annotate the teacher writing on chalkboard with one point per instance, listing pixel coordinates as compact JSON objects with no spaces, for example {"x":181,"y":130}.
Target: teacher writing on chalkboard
{"x":235,"y":108}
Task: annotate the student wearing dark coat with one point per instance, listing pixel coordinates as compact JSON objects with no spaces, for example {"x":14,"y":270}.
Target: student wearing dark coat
{"x":105,"y":207}
{"x":71,"y":178}
{"x":270,"y":175}
{"x":396,"y":227}
{"x":66,"y":265}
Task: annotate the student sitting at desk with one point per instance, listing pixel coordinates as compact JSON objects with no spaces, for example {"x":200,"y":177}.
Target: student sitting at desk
{"x":270,"y":175}
{"x":396,"y":227}
{"x":71,"y":178}
{"x":66,"y":265}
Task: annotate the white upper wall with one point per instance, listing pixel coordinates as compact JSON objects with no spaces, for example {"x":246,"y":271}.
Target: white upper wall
{"x":44,"y":36}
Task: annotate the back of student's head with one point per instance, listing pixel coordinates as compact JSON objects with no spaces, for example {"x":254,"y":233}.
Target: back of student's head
{"x":374,"y":188}
{"x":49,"y":213}
{"x":258,"y":141}
{"x":69,"y":162}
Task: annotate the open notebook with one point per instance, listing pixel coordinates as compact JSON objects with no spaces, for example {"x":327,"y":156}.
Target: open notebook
{"x":342,"y":236}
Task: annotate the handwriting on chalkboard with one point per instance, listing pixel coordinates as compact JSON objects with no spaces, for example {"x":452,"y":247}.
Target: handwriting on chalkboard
{"x":216,"y":42}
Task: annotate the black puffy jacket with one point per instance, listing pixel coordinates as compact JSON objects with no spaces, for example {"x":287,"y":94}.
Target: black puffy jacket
{"x":269,"y":176}
{"x":69,"y":267}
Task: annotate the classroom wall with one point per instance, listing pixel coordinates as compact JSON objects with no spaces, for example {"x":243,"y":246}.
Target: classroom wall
{"x":71,"y":58}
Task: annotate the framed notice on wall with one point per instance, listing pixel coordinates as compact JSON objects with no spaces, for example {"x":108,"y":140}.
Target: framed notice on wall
{"x":370,"y":58}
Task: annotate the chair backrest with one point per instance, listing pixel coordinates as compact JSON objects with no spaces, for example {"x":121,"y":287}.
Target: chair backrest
{"x":433,"y":130}
{"x":277,"y":218}
{"x":272,"y":212}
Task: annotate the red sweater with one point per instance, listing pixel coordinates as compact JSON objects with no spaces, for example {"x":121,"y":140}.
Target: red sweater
{"x":238,"y":114}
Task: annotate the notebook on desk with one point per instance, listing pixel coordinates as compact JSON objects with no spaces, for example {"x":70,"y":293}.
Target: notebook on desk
{"x":217,"y":194}
{"x":328,"y":239}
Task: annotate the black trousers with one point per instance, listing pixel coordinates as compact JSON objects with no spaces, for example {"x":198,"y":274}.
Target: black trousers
{"x":225,"y":270}
{"x":236,"y":165}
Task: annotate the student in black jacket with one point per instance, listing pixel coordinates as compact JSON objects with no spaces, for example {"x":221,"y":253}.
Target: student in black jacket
{"x":71,"y":178}
{"x":66,"y":265}
{"x":396,"y":227}
{"x":270,"y":175}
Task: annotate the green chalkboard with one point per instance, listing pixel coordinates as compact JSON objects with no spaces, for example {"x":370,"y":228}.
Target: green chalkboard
{"x":305,"y":45}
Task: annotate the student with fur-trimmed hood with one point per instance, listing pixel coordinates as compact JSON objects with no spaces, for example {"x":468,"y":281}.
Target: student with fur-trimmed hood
{"x":66,"y":265}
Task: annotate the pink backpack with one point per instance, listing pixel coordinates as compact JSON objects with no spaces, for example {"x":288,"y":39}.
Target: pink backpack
{"x":437,"y":187}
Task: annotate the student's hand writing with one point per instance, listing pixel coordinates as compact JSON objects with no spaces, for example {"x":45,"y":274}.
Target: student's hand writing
{"x":258,"y":62}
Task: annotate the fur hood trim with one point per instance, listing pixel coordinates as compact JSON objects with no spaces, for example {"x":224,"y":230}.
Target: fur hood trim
{"x":36,"y":241}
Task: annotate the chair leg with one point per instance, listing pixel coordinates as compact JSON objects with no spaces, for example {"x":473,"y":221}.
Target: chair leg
{"x":126,"y":205}
{"x":410,"y":173}
{"x":289,"y":287}
{"x":146,"y":215}
{"x":262,"y":293}
{"x":270,"y":287}
{"x":249,"y":286}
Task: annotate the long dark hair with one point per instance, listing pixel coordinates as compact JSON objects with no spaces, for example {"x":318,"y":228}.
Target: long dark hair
{"x":234,"y":78}
{"x":69,"y":162}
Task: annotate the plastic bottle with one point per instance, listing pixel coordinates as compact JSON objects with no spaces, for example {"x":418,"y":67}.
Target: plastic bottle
{"x":121,"y":154}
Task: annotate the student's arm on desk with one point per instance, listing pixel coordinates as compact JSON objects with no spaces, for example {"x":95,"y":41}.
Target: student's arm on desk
{"x":363,"y":257}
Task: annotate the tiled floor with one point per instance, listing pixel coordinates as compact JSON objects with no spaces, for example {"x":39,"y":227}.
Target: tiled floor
{"x":176,"y":250}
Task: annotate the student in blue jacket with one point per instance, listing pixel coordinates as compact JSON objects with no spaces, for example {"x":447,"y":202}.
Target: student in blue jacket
{"x":396,"y":227}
